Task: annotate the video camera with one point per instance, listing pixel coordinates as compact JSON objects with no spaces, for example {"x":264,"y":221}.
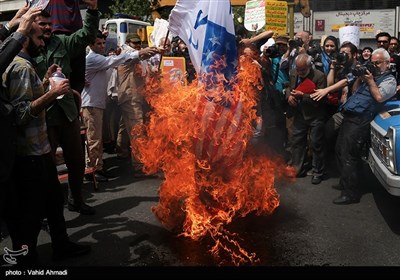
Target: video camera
{"x":341,"y":58}
{"x":295,"y":43}
{"x":272,"y":51}
{"x":315,"y":51}
{"x":361,"y":69}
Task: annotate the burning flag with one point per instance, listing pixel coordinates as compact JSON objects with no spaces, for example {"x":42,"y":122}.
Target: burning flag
{"x":208,"y":31}
{"x":198,"y":135}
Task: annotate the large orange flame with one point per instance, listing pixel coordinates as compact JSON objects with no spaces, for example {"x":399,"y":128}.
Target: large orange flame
{"x":210,"y":175}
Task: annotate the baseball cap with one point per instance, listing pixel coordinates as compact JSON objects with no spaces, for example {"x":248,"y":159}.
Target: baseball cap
{"x":132,"y":37}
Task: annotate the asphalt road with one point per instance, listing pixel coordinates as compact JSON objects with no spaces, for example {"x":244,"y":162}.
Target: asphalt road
{"x":306,"y":230}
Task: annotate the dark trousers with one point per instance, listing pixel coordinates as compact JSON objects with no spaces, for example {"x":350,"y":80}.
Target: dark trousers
{"x":353,"y":135}
{"x":36,"y":194}
{"x":67,"y":135}
{"x":274,"y":122}
{"x":301,"y":127}
{"x":7,"y":160}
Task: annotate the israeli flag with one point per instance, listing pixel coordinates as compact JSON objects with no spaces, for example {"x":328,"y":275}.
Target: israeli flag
{"x":208,"y":31}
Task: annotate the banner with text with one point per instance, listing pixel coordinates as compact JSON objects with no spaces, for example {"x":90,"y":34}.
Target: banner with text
{"x":254,"y":15}
{"x":276,"y":13}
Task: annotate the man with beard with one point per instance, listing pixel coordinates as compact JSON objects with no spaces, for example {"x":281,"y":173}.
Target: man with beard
{"x":10,"y":46}
{"x":63,"y":114}
{"x":308,"y":115}
{"x":383,"y":40}
{"x":340,"y":81}
{"x":370,"y":92}
{"x":37,"y":192}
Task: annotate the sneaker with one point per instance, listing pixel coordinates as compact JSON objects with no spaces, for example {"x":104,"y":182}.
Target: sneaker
{"x":83,"y":209}
{"x":315,"y":180}
{"x":69,"y":249}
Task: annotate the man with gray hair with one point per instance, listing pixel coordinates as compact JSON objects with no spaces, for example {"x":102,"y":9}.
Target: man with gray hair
{"x":370,"y":91}
{"x":308,"y":115}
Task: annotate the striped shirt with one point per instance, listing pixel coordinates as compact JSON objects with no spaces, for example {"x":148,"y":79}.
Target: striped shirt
{"x":25,"y":86}
{"x":65,"y":16}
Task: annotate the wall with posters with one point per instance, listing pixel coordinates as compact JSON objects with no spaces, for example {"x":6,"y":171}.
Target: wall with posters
{"x":369,"y":21}
{"x":301,"y":23}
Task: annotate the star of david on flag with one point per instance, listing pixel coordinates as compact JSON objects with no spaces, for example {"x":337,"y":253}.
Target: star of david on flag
{"x":207,"y":29}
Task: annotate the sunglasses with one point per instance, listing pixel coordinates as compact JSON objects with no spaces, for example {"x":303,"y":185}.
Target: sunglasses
{"x":382,"y":41}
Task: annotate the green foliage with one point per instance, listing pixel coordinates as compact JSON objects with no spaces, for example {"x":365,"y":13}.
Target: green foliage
{"x":138,"y":8}
{"x":238,"y":12}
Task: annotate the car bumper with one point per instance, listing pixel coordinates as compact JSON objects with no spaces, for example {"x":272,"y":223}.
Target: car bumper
{"x":390,"y":181}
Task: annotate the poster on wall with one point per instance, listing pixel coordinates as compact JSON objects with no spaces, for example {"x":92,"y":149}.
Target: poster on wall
{"x":300,"y":23}
{"x":370,"y":22}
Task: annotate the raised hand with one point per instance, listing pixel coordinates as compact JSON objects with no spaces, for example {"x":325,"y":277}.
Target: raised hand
{"x":27,"y":19}
{"x":149,"y":52}
{"x":17,"y":18}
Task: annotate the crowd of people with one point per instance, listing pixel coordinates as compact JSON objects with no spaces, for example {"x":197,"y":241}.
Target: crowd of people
{"x":319,"y":100}
{"x":40,"y":115}
{"x":314,"y":100}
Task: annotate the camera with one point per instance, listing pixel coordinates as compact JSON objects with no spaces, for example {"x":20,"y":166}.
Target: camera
{"x":361,"y":69}
{"x":315,"y":52}
{"x":295,"y":43}
{"x":272,"y":51}
{"x":341,"y":58}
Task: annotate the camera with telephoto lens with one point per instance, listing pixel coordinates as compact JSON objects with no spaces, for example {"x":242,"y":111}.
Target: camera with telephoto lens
{"x":272,"y":51}
{"x":315,"y":52}
{"x":341,"y":58}
{"x":361,"y":69}
{"x":295,"y":43}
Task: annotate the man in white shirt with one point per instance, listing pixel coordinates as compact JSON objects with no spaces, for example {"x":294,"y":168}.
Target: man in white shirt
{"x":95,"y":93}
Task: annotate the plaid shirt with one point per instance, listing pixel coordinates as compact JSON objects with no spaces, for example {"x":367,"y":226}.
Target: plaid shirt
{"x":25,"y":86}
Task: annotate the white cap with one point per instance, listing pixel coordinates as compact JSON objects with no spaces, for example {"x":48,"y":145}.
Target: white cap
{"x":269,"y":43}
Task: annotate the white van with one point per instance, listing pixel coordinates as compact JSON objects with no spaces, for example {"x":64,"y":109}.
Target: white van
{"x":119,"y":28}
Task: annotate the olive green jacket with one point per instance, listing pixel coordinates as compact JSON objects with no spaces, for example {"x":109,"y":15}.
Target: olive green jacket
{"x":60,"y":50}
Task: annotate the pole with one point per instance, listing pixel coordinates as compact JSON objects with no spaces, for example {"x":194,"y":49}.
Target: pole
{"x":291,"y":19}
{"x":161,"y":56}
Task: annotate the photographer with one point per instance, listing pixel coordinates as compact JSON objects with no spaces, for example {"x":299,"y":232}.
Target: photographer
{"x":340,"y":81}
{"x":274,"y":65}
{"x":371,"y":91}
{"x":300,"y":44}
{"x":383,"y":40}
{"x":273,"y":103}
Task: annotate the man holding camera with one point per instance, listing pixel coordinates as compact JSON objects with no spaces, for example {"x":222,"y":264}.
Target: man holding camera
{"x":370,"y":92}
{"x":273,"y":101}
{"x":383,"y":40}
{"x":340,"y":81}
